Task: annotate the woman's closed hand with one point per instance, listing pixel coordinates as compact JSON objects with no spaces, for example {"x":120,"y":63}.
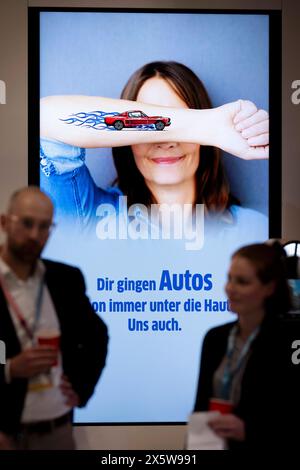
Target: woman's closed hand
{"x":228,"y":426}
{"x":243,"y":130}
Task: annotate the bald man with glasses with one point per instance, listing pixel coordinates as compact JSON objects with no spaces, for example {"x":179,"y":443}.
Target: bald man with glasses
{"x":40,"y":384}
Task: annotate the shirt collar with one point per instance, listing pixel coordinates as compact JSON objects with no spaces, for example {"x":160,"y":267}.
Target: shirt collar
{"x":226,"y":217}
{"x":7,"y":272}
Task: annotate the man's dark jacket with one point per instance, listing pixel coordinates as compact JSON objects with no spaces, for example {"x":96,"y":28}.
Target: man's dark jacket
{"x":83,"y":342}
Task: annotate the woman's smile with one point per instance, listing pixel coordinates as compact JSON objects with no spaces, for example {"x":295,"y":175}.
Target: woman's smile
{"x":167,"y":160}
{"x":166,"y":163}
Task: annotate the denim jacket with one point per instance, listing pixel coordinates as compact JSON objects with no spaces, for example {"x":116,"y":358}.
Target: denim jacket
{"x":66,"y":178}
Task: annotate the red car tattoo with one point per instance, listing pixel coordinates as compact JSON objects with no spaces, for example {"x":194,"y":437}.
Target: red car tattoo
{"x":136,"y":118}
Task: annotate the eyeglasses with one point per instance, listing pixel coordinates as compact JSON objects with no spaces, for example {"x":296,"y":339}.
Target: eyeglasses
{"x":27,"y":223}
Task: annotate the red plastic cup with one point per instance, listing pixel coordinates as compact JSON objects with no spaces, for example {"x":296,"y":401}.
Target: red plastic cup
{"x":49,"y":338}
{"x":223,"y":406}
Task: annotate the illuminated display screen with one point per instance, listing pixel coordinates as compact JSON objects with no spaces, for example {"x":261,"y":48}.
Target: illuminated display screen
{"x":153,"y":227}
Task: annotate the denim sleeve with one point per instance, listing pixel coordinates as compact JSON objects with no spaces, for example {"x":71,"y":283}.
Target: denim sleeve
{"x":58,"y":158}
{"x":67,"y":180}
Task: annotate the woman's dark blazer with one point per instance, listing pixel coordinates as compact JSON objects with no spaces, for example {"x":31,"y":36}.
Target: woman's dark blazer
{"x":268,"y":388}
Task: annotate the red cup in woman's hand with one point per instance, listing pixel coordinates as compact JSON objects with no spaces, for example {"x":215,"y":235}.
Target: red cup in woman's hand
{"x":223,"y":406}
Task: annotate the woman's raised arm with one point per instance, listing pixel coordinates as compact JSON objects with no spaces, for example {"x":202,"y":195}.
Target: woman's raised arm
{"x":81,"y":121}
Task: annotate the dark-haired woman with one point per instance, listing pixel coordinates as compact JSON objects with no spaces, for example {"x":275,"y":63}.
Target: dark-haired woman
{"x":180,"y":164}
{"x":246,"y":364}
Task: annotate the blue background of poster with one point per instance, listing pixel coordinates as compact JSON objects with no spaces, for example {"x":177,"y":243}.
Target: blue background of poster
{"x":151,"y":376}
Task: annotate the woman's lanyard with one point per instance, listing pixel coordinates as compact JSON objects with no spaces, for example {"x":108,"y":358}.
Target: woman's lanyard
{"x":17,"y":311}
{"x":229,"y":371}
